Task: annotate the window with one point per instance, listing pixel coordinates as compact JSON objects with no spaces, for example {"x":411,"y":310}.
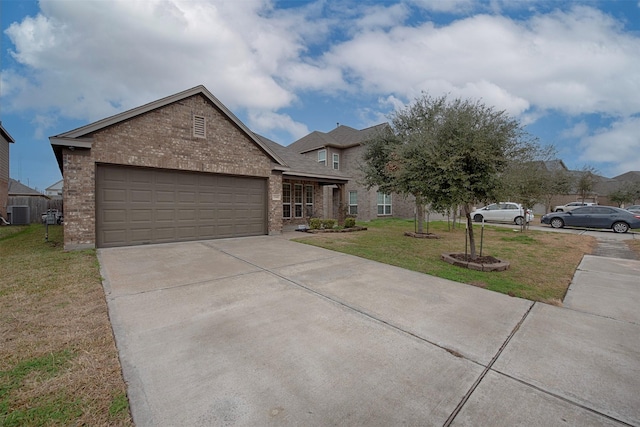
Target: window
{"x":286,"y":200}
{"x":199,"y":126}
{"x":353,"y":203}
{"x":384,"y":204}
{"x":322,"y":157}
{"x":336,"y":161}
{"x":308,"y":200}
{"x":297,"y":200}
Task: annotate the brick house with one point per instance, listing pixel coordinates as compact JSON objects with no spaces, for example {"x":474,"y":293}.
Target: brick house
{"x":5,"y":140}
{"x":341,"y":150}
{"x":177,"y":169}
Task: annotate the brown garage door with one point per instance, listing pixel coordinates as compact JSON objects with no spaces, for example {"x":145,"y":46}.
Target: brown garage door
{"x":136,"y":206}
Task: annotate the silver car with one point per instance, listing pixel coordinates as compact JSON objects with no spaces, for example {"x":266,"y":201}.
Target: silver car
{"x":503,"y":212}
{"x":571,"y":206}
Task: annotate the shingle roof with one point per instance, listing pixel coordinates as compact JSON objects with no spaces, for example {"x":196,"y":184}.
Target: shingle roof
{"x":78,"y":137}
{"x":629,"y":176}
{"x":16,"y":188}
{"x":341,"y":137}
{"x":303,"y":166}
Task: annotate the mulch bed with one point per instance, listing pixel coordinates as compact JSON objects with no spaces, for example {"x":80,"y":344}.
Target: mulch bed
{"x":487,"y":259}
{"x":421,"y":235}
{"x":335,"y":230}
{"x":484,"y":263}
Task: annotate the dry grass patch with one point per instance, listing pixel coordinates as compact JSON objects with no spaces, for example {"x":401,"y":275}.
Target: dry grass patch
{"x":58,"y":361}
{"x":542,"y":263}
{"x":634,"y":245}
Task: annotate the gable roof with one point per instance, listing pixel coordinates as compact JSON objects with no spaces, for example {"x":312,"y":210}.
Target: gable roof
{"x":81,"y":137}
{"x":304,"y":167}
{"x":340,"y":137}
{"x":633,"y":176}
{"x":57,"y":186}
{"x":16,"y":188}
{"x":5,"y":134}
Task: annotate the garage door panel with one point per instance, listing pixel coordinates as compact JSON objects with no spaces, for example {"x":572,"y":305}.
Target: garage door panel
{"x":111,"y":237}
{"x":163,"y":196}
{"x":141,"y":215}
{"x":141,"y":196}
{"x":187,"y":233}
{"x":206,"y":215}
{"x":115,"y":195}
{"x":187,"y":196}
{"x":141,"y":235}
{"x":138,"y":206}
{"x":165,"y":234}
{"x":115,"y":216}
{"x":165,"y":215}
{"x":139,"y":176}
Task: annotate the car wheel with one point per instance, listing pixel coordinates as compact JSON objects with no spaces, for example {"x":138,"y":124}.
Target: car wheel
{"x":477,"y":218}
{"x":559,"y":210}
{"x":620,"y":227}
{"x":519,"y":220}
{"x":557,"y":223}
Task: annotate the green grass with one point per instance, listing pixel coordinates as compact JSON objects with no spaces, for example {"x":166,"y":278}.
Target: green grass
{"x":58,"y":361}
{"x":542,"y":264}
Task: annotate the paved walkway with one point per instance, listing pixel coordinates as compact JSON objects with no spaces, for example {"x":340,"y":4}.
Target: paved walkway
{"x":265,"y":331}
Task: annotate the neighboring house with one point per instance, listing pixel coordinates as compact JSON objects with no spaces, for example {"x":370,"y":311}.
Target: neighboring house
{"x":342,"y":150}
{"x":603,"y":187}
{"x":55,"y":190}
{"x":5,"y":140}
{"x":177,"y":169}
{"x":26,"y":205}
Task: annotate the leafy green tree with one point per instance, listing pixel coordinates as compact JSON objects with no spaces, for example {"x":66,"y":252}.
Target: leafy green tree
{"x":447,"y":153}
{"x":586,"y":182}
{"x":627,"y":194}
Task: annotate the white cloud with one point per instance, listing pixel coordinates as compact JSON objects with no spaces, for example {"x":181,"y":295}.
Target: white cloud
{"x":377,"y":17}
{"x":91,"y":59}
{"x":617,"y":146}
{"x":576,"y":62}
{"x":457,"y":6}
{"x":267,"y":122}
{"x":579,"y":130}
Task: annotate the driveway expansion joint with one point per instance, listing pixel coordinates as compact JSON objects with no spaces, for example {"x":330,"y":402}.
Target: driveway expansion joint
{"x":487,"y":368}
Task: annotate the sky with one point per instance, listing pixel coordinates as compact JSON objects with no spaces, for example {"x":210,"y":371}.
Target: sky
{"x":569,"y":71}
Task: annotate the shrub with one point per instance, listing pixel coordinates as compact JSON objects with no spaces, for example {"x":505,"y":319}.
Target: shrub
{"x":328,"y":223}
{"x":317,"y":223}
{"x":349,"y":222}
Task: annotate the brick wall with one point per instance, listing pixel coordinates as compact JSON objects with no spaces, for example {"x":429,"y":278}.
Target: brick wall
{"x":4,"y":176}
{"x":163,"y":138}
{"x":350,"y":162}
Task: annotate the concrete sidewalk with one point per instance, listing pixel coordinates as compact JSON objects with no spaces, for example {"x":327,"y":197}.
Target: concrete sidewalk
{"x":265,"y":331}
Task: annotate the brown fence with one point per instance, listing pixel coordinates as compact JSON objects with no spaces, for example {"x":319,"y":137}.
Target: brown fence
{"x":29,"y":209}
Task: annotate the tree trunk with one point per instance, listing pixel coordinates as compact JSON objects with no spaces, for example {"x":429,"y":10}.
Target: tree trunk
{"x":419,"y":214}
{"x":472,"y":240}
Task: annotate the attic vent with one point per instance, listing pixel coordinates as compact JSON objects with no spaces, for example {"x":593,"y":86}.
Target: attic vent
{"x":199,"y":127}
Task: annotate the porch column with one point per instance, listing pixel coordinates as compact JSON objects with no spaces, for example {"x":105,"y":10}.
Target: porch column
{"x":342,"y":207}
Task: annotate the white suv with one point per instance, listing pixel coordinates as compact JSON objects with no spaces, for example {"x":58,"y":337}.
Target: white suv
{"x":571,"y":206}
{"x":505,"y":212}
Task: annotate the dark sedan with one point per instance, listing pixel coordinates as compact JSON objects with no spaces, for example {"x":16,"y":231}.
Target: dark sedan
{"x":619,"y":220}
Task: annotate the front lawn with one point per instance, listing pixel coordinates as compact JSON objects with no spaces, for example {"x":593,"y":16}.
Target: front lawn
{"x":58,"y":361}
{"x":542,"y":263}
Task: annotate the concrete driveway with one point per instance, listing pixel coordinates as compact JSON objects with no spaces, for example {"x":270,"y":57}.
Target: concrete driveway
{"x":265,"y":331}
